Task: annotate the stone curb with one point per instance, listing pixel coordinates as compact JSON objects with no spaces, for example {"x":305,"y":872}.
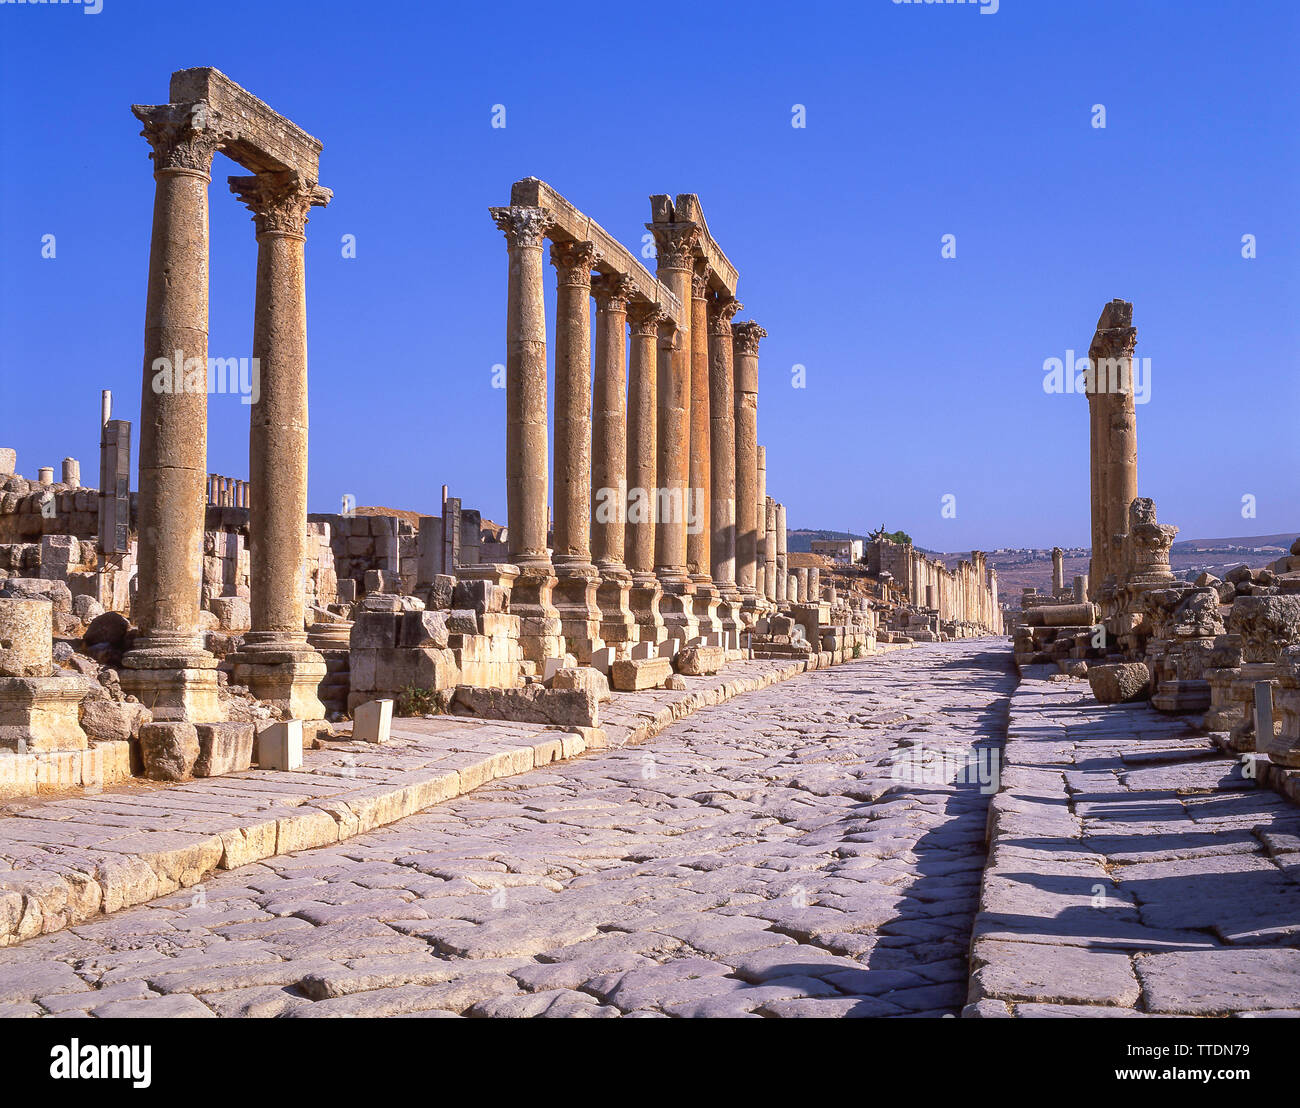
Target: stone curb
{"x":136,"y":868}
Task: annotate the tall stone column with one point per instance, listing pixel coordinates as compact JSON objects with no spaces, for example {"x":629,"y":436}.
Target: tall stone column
{"x":782,"y":558}
{"x":576,"y":577}
{"x":642,"y":439}
{"x":749,"y":573}
{"x":699,"y":535}
{"x":676,"y":249}
{"x":1058,"y":571}
{"x":722,"y":454}
{"x":275,"y":661}
{"x":770,"y":549}
{"x":1113,"y":422}
{"x":526,"y":432}
{"x":168,"y":669}
{"x":609,"y":487}
{"x":762,"y":576}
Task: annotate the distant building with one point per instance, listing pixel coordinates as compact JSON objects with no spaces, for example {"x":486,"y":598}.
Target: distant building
{"x":848,"y":551}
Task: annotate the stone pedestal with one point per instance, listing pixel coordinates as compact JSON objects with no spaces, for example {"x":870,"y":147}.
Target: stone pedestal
{"x":540,"y":632}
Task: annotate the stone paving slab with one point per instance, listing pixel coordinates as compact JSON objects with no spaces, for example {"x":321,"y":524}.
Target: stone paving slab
{"x":761,"y":860}
{"x":1133,"y":870}
{"x":64,"y":860}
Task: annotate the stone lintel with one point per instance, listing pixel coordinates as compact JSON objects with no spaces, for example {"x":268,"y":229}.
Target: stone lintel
{"x":264,"y":140}
{"x":571,"y":225}
{"x":722,"y":274}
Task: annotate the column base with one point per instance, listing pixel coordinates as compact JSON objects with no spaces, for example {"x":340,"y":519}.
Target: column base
{"x":707,"y":599}
{"x":575,"y":600}
{"x":282,"y":670}
{"x":677,"y":606}
{"x":41,"y":713}
{"x":540,"y":634}
{"x":176,"y":686}
{"x":644,"y":598}
{"x":618,"y":627}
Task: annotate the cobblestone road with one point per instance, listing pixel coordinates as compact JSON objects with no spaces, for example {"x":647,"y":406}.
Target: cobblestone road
{"x":758,"y":858}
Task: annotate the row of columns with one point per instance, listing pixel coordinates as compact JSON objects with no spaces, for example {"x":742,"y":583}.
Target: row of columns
{"x":659,"y":480}
{"x":168,"y":669}
{"x":227,"y":492}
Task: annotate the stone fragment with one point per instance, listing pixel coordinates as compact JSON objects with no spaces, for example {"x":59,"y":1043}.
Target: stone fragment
{"x":634,"y":674}
{"x":169,"y":750}
{"x":106,"y":720}
{"x":1120,"y":682}
{"x":26,"y":638}
{"x":279,"y":745}
{"x":223,"y":748}
{"x":530,"y":704}
{"x":372,"y":721}
{"x":427,"y":628}
{"x":583,"y":677}
{"x":698,"y":661}
{"x":233,"y":612}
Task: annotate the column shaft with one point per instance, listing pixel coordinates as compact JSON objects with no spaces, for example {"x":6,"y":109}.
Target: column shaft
{"x":722,"y":445}
{"x":749,"y":573}
{"x":699,"y":534}
{"x":609,"y":425}
{"x":642,"y":438}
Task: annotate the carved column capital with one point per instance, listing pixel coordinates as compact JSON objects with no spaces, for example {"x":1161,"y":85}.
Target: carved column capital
{"x":279,"y":201}
{"x":612,"y":291}
{"x":183,"y":136}
{"x":675,"y":244}
{"x":721,"y":310}
{"x":746,"y":336}
{"x":700,"y":280}
{"x":645,"y":317}
{"x":574,"y":262}
{"x":521,"y":225}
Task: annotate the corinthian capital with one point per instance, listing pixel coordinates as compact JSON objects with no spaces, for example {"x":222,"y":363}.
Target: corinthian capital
{"x":745,"y":337}
{"x":721,"y":309}
{"x":183,"y":136}
{"x":612,"y":291}
{"x":574,"y":262}
{"x":522,"y":226}
{"x":279,"y":201}
{"x":1116,"y":337}
{"x":675,"y":243}
{"x":645,"y":317}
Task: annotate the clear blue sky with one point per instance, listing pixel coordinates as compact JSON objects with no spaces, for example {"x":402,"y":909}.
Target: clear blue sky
{"x":924,"y":375}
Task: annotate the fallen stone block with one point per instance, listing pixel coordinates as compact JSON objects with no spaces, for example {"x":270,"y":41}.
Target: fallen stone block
{"x":634,"y":674}
{"x":232,"y":612}
{"x":372,"y":722}
{"x":279,"y":745}
{"x":169,"y":750}
{"x":699,"y":661}
{"x":530,"y":704}
{"x":223,"y":748}
{"x":583,"y":677}
{"x":1120,"y":683}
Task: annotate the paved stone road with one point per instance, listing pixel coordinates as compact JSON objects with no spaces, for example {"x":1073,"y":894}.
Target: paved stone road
{"x":757,"y":858}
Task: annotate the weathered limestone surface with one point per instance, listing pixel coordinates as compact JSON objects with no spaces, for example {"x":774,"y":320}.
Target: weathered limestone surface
{"x":1131,"y":870}
{"x":823,"y":904}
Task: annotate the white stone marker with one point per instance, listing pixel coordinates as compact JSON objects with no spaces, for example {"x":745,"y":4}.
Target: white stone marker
{"x":372,"y":722}
{"x":643,"y":650}
{"x":602,"y":659}
{"x":280,"y":746}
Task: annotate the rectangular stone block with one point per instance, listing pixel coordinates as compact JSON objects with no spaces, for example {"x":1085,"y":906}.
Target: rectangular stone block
{"x":697,"y":661}
{"x":279,"y":746}
{"x":634,"y":674}
{"x":223,"y":748}
{"x":372,"y":722}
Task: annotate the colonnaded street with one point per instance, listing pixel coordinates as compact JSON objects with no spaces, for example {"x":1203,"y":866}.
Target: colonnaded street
{"x":811,"y":849}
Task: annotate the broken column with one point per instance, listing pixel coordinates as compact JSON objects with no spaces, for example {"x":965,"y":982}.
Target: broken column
{"x":769,"y":549}
{"x":782,"y":557}
{"x":1058,"y":571}
{"x":275,"y":661}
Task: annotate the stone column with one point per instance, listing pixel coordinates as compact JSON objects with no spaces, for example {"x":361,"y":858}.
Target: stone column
{"x":642,"y":422}
{"x":526,"y":432}
{"x":609,"y":490}
{"x":782,"y":558}
{"x":722,"y":454}
{"x":699,"y":535}
{"x":762,"y":576}
{"x":168,"y":669}
{"x":769,"y":549}
{"x":744,"y":338}
{"x":676,"y":248}
{"x":275,"y":661}
{"x":576,"y":577}
{"x":1113,"y":421}
{"x":1058,"y":571}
